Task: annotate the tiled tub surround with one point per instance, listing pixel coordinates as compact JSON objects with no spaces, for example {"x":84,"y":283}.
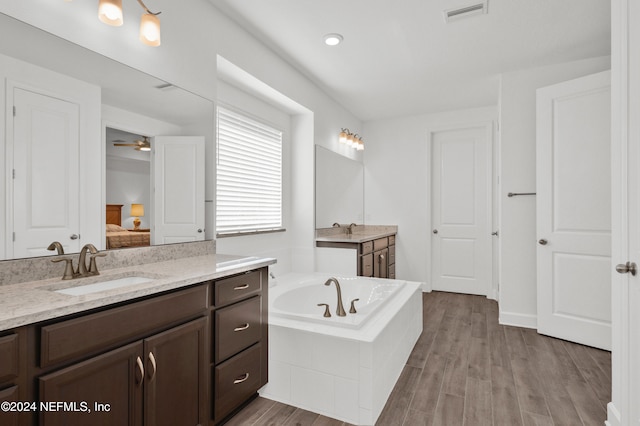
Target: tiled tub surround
{"x":339,"y":372}
{"x":29,"y":302}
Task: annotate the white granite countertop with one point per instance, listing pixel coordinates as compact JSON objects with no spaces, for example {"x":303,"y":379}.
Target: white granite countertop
{"x":355,"y":237}
{"x":35,"y":301}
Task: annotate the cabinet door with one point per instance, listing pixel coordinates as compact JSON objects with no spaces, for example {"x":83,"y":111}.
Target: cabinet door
{"x":9,"y":418}
{"x":176,"y":378}
{"x":104,"y":390}
{"x":380,"y":263}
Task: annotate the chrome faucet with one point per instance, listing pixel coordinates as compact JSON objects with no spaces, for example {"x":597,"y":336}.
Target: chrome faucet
{"x":340,"y":310}
{"x":56,"y":246}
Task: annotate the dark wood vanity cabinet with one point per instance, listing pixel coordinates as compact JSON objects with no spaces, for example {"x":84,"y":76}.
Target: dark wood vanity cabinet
{"x":141,"y":363}
{"x":186,"y":357}
{"x":377,"y":258}
{"x":12,"y":375}
{"x":240,"y":348}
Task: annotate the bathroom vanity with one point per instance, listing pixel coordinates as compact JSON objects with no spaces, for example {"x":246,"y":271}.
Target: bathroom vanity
{"x":375,"y":247}
{"x":187,"y":347}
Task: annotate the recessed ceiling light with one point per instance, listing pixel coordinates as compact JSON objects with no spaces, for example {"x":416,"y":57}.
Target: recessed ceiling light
{"x":332,"y":39}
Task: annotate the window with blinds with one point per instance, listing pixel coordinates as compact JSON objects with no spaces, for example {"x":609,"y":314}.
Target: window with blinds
{"x":249,"y":175}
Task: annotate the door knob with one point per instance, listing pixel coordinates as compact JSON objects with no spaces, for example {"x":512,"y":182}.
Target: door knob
{"x":199,"y":230}
{"x":625,"y":268}
{"x":435,"y":231}
{"x":74,"y":236}
{"x":543,"y":242}
{"x":494,"y":233}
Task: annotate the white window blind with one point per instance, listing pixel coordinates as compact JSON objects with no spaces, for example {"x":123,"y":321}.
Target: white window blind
{"x":249,"y":175}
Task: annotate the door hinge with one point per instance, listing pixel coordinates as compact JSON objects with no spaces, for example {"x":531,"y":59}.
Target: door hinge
{"x":14,"y":110}
{"x":14,"y":237}
{"x":13,"y":173}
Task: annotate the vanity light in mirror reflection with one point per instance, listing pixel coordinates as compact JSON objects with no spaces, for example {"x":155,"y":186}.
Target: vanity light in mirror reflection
{"x":60,"y":157}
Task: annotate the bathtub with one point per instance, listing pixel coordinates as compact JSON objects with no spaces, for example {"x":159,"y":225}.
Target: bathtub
{"x":340,"y":367}
{"x":300,"y":301}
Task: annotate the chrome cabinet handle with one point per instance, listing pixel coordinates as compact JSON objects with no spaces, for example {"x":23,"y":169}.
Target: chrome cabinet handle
{"x":626,"y":268}
{"x":152,"y":360}
{"x":542,"y":242}
{"x":139,"y":371}
{"x":242,"y":327}
{"x":242,"y":287}
{"x":381,"y":258}
{"x":241,"y":379}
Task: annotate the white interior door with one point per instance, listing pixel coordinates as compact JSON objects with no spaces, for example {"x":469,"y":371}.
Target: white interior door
{"x":574,"y":210}
{"x":461,"y":249}
{"x":178,"y":189}
{"x":45,"y":174}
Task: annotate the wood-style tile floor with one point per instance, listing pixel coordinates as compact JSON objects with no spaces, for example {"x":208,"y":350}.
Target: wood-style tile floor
{"x":466,"y":369}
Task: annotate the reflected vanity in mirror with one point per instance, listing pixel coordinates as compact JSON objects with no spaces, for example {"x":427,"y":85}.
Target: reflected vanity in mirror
{"x":63,"y":107}
{"x":339,"y":189}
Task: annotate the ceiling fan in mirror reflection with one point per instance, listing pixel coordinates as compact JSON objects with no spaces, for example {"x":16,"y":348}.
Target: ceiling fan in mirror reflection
{"x":138,"y":145}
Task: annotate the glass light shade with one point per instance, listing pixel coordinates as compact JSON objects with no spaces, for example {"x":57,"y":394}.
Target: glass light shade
{"x":350,"y":139}
{"x":342,"y":138}
{"x":144,"y":148}
{"x":360,"y":146}
{"x":110,"y":12}
{"x":150,"y":30}
{"x":137,"y":210}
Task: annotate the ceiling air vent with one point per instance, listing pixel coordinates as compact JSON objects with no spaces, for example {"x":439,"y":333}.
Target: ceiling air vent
{"x":465,"y":12}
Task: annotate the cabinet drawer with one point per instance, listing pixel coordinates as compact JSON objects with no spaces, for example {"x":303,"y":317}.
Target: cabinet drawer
{"x":379,"y":244}
{"x":367,"y":247}
{"x":9,"y":357}
{"x":392,"y":272}
{"x":236,"y":380}
{"x":237,"y":327}
{"x":104,"y":330}
{"x":237,"y":287}
{"x":392,"y":240}
{"x":366,"y":265}
{"x":392,"y":255}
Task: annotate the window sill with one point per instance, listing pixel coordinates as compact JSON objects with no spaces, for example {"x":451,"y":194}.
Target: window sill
{"x":254,"y":232}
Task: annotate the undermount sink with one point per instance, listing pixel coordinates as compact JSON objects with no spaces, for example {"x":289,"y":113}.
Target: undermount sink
{"x":105,"y":285}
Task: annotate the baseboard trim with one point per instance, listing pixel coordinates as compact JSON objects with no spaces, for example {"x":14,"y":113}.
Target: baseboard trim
{"x":426,"y":288}
{"x":613,"y":416}
{"x":518,"y":320}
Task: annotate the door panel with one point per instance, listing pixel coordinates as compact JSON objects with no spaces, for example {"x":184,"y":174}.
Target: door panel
{"x":461,"y":210}
{"x":178,"y":195}
{"x":45,"y":186}
{"x":574,"y":210}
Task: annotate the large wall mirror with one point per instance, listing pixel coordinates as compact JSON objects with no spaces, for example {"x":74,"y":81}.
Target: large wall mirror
{"x":134,"y":111}
{"x":339,"y":189}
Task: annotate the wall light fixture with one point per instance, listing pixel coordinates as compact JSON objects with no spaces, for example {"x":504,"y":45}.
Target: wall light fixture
{"x":110,"y":12}
{"x":351,"y":139}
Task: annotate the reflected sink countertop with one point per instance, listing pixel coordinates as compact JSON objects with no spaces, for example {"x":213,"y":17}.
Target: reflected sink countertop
{"x":31,"y":302}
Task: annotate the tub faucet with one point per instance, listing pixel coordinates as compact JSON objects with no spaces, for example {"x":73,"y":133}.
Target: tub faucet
{"x":340,"y":310}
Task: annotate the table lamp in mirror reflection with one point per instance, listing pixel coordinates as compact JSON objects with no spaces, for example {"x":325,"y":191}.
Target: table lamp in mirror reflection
{"x":137,"y":210}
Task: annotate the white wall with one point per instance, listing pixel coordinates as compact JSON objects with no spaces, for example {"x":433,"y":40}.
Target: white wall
{"x":128,"y":181}
{"x":518,"y":174}
{"x":396,"y":159}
